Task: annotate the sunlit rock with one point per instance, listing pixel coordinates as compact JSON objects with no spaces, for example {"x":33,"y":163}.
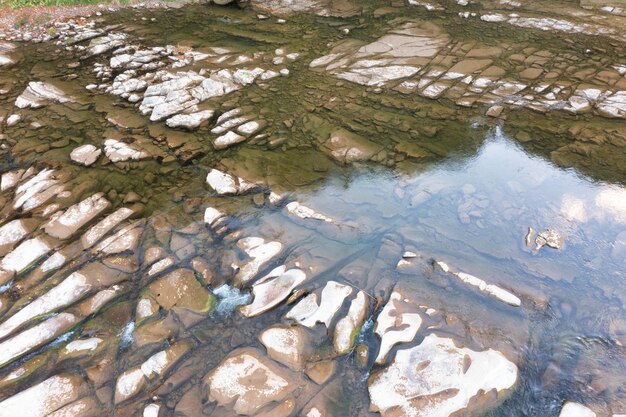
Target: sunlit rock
{"x":14,"y":231}
{"x":25,"y":254}
{"x":125,"y":239}
{"x":38,"y":93}
{"x":106,"y":43}
{"x":189,"y":121}
{"x":231,"y":382}
{"x":227,"y":140}
{"x":439,"y":379}
{"x":225,"y":184}
{"x":37,"y":190}
{"x":260,"y":253}
{"x":104,"y":226}
{"x":36,"y":336}
{"x":118,"y":151}
{"x":85,"y":155}
{"x":212,"y":215}
{"x":272,"y":289}
{"x":132,"y":381}
{"x":572,"y":409}
{"x":397,"y":322}
{"x":66,"y":224}
{"x":286,"y":344}
{"x":76,"y":286}
{"x":348,"y":327}
{"x":331,"y":300}
{"x":44,"y":398}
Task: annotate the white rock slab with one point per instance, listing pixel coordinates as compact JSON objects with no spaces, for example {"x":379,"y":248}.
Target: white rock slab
{"x":413,"y":384}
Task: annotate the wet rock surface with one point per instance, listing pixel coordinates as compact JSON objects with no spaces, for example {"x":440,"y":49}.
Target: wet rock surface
{"x":316,"y":209}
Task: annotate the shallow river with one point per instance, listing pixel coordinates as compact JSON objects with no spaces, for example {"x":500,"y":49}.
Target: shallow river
{"x":355,"y":209}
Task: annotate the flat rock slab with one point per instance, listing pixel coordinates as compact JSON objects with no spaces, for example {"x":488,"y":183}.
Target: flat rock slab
{"x":249,"y":381}
{"x":439,"y":379}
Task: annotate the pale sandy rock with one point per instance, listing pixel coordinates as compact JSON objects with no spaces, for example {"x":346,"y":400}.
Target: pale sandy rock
{"x":260,"y":252}
{"x":44,"y":398}
{"x":82,"y":345}
{"x":36,"y":336}
{"x":125,"y":239}
{"x":397,"y":322}
{"x":13,"y":119}
{"x":413,"y":384}
{"x":572,"y":409}
{"x":67,"y":224}
{"x":106,"y":43}
{"x":85,"y":154}
{"x":133,"y":380}
{"x":331,"y":300}
{"x":613,"y":106}
{"x":70,"y":290}
{"x":227,"y":140}
{"x":38,"y":93}
{"x":85,"y":407}
{"x":25,"y":254}
{"x":230,"y":383}
{"x":224,"y":183}
{"x":118,"y":151}
{"x":189,"y":121}
{"x":13,"y":232}
{"x":104,"y":226}
{"x":37,"y":190}
{"x":272,"y":290}
{"x":249,"y":128}
{"x":347,"y":328}
{"x":151,"y":410}
{"x":286,"y":345}
{"x":212,"y":215}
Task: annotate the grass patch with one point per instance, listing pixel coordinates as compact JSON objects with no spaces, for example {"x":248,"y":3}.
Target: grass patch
{"x":16,"y":4}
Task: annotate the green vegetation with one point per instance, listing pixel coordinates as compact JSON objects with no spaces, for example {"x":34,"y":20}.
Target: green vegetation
{"x":32,"y":3}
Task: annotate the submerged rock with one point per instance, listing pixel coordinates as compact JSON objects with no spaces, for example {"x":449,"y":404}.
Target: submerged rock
{"x":439,"y":379}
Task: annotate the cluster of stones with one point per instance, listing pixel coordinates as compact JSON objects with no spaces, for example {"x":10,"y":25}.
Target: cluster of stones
{"x":420,"y":58}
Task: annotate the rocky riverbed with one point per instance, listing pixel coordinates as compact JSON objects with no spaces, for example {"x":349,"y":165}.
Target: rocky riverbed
{"x":315,"y":209}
